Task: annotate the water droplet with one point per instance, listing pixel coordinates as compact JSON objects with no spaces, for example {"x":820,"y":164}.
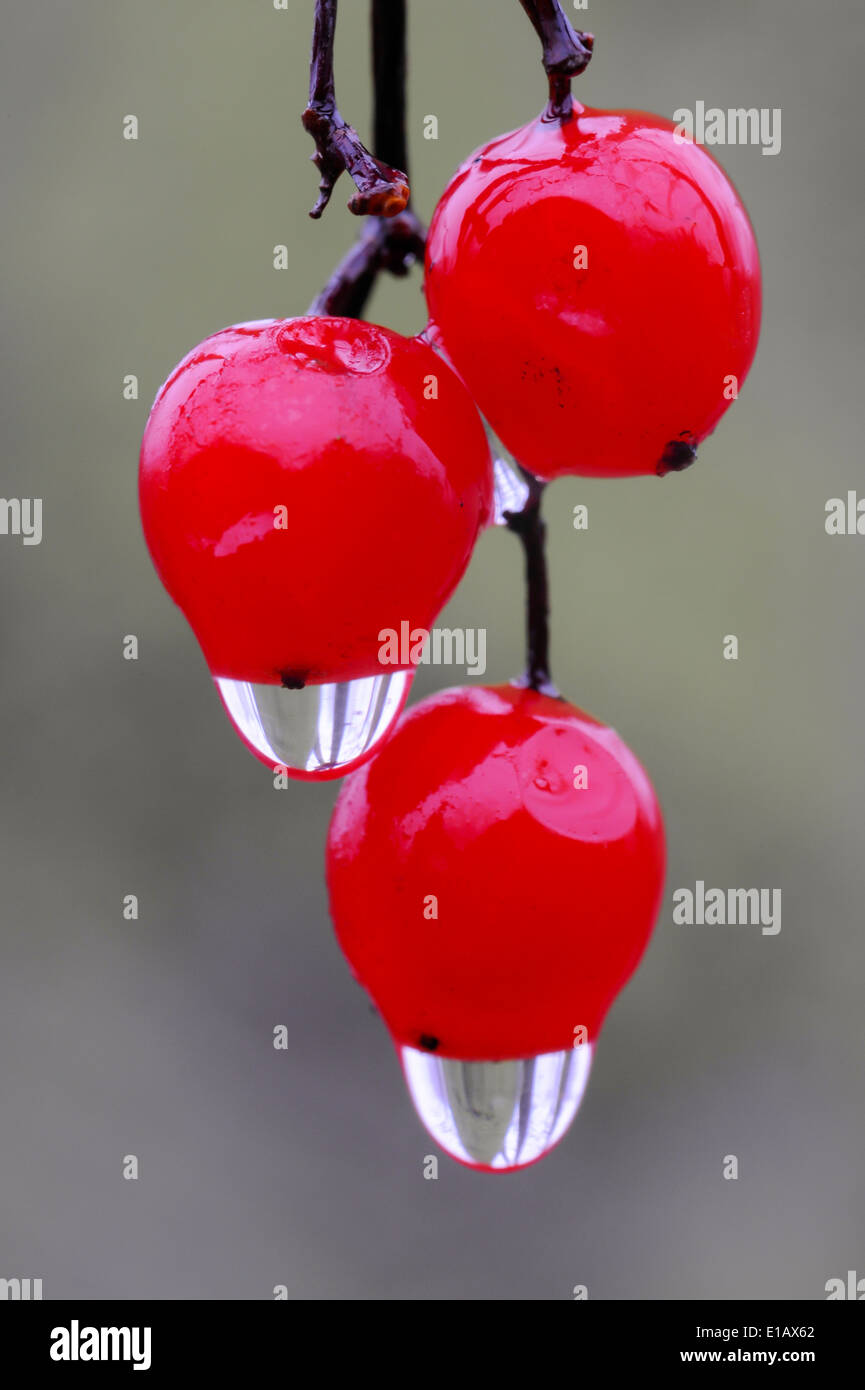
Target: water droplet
{"x":497,"y":1115}
{"x":362,"y":349}
{"x":321,"y":730}
{"x":510,"y":490}
{"x":511,"y":493}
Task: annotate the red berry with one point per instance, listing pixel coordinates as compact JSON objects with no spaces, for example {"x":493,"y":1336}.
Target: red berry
{"x":597,"y":285}
{"x":305,"y":484}
{"x":545,"y":892}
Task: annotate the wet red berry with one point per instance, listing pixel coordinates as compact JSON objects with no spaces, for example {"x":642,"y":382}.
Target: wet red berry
{"x":305,"y":484}
{"x":495,"y":873}
{"x":597,"y":285}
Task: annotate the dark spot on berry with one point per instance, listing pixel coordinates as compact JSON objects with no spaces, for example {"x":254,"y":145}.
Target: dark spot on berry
{"x":292,"y":680}
{"x":428,"y":1043}
{"x":678,"y":454}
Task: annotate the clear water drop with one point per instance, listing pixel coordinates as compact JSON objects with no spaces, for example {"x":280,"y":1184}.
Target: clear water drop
{"x":321,"y":730}
{"x":509,"y":490}
{"x":497,"y":1115}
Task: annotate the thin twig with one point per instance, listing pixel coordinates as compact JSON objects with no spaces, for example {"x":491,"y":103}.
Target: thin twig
{"x":567,"y":52}
{"x":382,"y":190}
{"x":529,"y":525}
{"x":395,"y":244}
{"x":389,"y":70}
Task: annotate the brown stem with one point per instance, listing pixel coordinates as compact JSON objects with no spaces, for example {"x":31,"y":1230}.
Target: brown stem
{"x":529,"y":525}
{"x":567,"y":52}
{"x":395,"y":244}
{"x":389,"y":81}
{"x":382,"y":190}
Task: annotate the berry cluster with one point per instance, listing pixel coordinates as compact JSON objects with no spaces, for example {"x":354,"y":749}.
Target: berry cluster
{"x":496,"y":857}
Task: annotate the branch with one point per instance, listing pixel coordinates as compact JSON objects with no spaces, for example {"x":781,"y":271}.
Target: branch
{"x":395,"y":244}
{"x":529,"y":525}
{"x":389,"y":81}
{"x":382,"y":191}
{"x":567,"y":52}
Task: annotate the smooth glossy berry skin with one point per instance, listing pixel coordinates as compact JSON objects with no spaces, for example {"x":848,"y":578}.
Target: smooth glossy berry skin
{"x":305,"y":484}
{"x":546,"y":895}
{"x":612,"y":360}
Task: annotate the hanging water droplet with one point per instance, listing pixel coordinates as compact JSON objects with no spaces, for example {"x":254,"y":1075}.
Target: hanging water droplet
{"x":497,"y":1115}
{"x":321,"y":730}
{"x":510,"y":492}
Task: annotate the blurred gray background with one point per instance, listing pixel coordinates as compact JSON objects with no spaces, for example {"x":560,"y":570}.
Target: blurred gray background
{"x":154,"y":1037}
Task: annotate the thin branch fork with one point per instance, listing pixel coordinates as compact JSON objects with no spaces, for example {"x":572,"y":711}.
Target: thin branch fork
{"x":392,"y":245}
{"x":382,"y":190}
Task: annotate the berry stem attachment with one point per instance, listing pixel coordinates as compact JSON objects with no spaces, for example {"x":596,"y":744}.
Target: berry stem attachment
{"x":567,"y":52}
{"x":396,"y":243}
{"x":381,"y":189}
{"x":531,"y":528}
